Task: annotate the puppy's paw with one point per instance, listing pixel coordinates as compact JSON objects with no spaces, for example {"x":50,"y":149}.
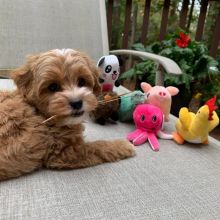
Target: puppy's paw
{"x":110,"y":151}
{"x":125,"y":148}
{"x":118,"y":150}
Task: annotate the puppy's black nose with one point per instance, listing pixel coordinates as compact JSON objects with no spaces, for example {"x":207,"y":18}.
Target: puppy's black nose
{"x":76,"y":104}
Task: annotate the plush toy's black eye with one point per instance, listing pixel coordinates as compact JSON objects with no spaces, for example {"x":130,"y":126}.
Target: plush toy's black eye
{"x":108,"y":69}
{"x":154,"y":118}
{"x":54,"y":87}
{"x":142,"y":117}
{"x":81,"y":82}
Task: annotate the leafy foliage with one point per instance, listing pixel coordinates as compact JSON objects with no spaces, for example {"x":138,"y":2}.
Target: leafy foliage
{"x":197,"y":66}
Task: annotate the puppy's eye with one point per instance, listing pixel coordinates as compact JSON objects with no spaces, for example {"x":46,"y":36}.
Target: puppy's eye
{"x":54,"y":87}
{"x":81,"y":82}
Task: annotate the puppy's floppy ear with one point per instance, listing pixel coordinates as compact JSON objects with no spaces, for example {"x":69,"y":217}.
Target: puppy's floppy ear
{"x":96,"y":74}
{"x":23,"y":75}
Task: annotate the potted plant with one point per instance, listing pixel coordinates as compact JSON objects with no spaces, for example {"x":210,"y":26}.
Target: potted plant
{"x":200,"y":71}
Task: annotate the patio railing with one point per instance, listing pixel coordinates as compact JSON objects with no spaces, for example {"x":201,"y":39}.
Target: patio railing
{"x":183,"y":16}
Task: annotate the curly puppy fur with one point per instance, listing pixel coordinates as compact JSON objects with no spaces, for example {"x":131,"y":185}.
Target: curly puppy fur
{"x":62,"y":83}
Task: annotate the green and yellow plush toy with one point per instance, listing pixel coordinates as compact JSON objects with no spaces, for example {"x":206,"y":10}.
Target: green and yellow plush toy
{"x":128,"y":104}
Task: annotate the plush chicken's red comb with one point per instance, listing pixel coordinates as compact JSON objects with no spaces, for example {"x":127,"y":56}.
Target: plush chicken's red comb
{"x":212,"y":107}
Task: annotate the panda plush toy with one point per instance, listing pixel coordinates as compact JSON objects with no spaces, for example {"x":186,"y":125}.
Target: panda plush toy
{"x":109,"y":69}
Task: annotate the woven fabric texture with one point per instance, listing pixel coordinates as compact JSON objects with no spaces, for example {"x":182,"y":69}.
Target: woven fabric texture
{"x":178,"y":182}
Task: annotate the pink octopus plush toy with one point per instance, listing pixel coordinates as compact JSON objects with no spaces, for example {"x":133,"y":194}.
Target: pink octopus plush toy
{"x":148,"y":120}
{"x":160,"y":97}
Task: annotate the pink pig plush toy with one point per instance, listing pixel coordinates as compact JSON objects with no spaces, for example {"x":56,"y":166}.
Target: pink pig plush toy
{"x":160,"y":97}
{"x":148,"y":120}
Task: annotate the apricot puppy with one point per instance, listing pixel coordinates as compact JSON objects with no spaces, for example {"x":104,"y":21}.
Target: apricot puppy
{"x":62,"y":83}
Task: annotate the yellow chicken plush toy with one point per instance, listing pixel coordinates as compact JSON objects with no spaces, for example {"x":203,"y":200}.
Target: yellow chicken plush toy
{"x":194,"y":128}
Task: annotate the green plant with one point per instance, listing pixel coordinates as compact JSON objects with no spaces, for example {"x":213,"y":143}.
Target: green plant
{"x":210,"y":89}
{"x":200,"y":71}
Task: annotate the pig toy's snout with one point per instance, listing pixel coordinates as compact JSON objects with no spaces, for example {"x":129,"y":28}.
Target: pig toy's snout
{"x":162,"y":94}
